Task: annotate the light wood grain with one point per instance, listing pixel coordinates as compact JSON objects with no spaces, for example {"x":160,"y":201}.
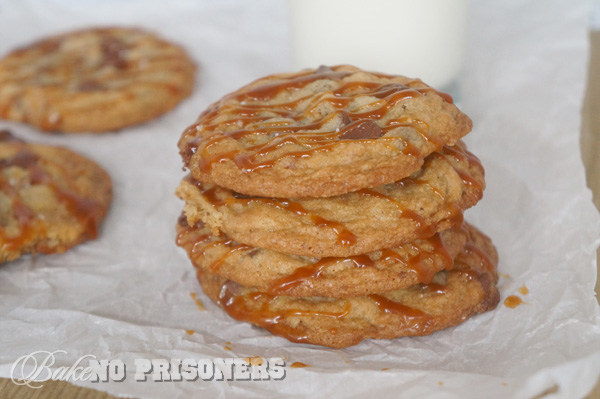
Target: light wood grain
{"x":590,"y":142}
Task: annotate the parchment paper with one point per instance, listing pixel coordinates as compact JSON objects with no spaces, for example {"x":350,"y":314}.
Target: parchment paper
{"x":127,"y":294}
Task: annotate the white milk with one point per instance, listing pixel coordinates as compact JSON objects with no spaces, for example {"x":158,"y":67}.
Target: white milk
{"x":417,"y":38}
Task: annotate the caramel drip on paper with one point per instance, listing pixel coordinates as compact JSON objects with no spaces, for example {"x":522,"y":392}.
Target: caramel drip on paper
{"x":523,"y":290}
{"x":299,"y":365}
{"x":513,"y":301}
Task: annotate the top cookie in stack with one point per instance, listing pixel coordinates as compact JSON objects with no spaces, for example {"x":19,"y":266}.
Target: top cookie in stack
{"x":320,"y":133}
{"x":326,"y":206}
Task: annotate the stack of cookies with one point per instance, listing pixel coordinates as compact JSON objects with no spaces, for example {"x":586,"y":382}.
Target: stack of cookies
{"x":326,"y":206}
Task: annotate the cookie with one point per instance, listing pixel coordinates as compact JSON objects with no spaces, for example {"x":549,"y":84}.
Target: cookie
{"x":430,"y":200}
{"x":320,"y":133}
{"x":50,"y":198}
{"x":94,"y":80}
{"x":280,"y":274}
{"x":450,"y":299}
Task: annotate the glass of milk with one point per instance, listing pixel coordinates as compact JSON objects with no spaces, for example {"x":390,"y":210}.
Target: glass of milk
{"x":416,"y":38}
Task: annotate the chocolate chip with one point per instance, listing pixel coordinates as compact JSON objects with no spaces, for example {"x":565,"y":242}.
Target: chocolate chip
{"x":113,"y":51}
{"x":241,"y":196}
{"x":253,"y":253}
{"x":389,"y":89}
{"x":182,"y":221}
{"x":361,"y":130}
{"x":90,"y":85}
{"x":345,"y":118}
{"x":323,"y":69}
{"x":7,"y":137}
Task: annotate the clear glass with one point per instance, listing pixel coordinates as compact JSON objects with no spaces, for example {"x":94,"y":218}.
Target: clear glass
{"x":416,"y":38}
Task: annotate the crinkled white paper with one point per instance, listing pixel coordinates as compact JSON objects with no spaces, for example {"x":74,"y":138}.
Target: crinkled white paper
{"x":127,"y":294}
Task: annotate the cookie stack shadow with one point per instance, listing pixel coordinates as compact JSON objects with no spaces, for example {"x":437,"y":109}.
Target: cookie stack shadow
{"x":327,"y":206}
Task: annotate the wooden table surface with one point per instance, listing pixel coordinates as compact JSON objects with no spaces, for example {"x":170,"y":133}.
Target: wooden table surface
{"x":590,"y":139}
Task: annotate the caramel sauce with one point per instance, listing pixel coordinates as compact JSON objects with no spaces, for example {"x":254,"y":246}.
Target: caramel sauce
{"x":189,"y":332}
{"x":513,"y":301}
{"x":413,"y":318}
{"x":419,"y":265}
{"x":407,"y":213}
{"x":421,"y":262}
{"x":460,"y":154}
{"x":485,"y":263}
{"x":265,"y":316}
{"x":388,"y":95}
{"x":433,"y":288}
{"x":307,"y":273}
{"x":86,"y":210}
{"x":25,"y":218}
{"x":299,"y":365}
{"x":199,"y":303}
{"x":254,"y":360}
{"x":269,"y":91}
{"x":454,"y":214}
{"x":215,"y":266}
{"x":344,"y":236}
{"x":523,"y":290}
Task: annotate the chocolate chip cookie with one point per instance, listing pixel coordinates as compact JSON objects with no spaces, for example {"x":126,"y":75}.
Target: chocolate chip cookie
{"x":430,"y":200}
{"x":451,"y":298}
{"x":50,"y":198}
{"x":94,"y":80}
{"x":320,"y":133}
{"x":276,"y":273}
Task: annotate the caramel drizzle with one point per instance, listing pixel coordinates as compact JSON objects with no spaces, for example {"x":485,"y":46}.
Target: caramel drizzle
{"x":460,"y":154}
{"x":198,"y":245}
{"x":267,"y":317}
{"x":417,"y":264}
{"x":454,"y":214}
{"x":415,"y":319}
{"x":24,"y":217}
{"x":485,"y":264}
{"x":215,"y":266}
{"x":85,"y":210}
{"x":213,"y":195}
{"x":388,"y":94}
{"x":237,"y":306}
{"x":305,"y":274}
